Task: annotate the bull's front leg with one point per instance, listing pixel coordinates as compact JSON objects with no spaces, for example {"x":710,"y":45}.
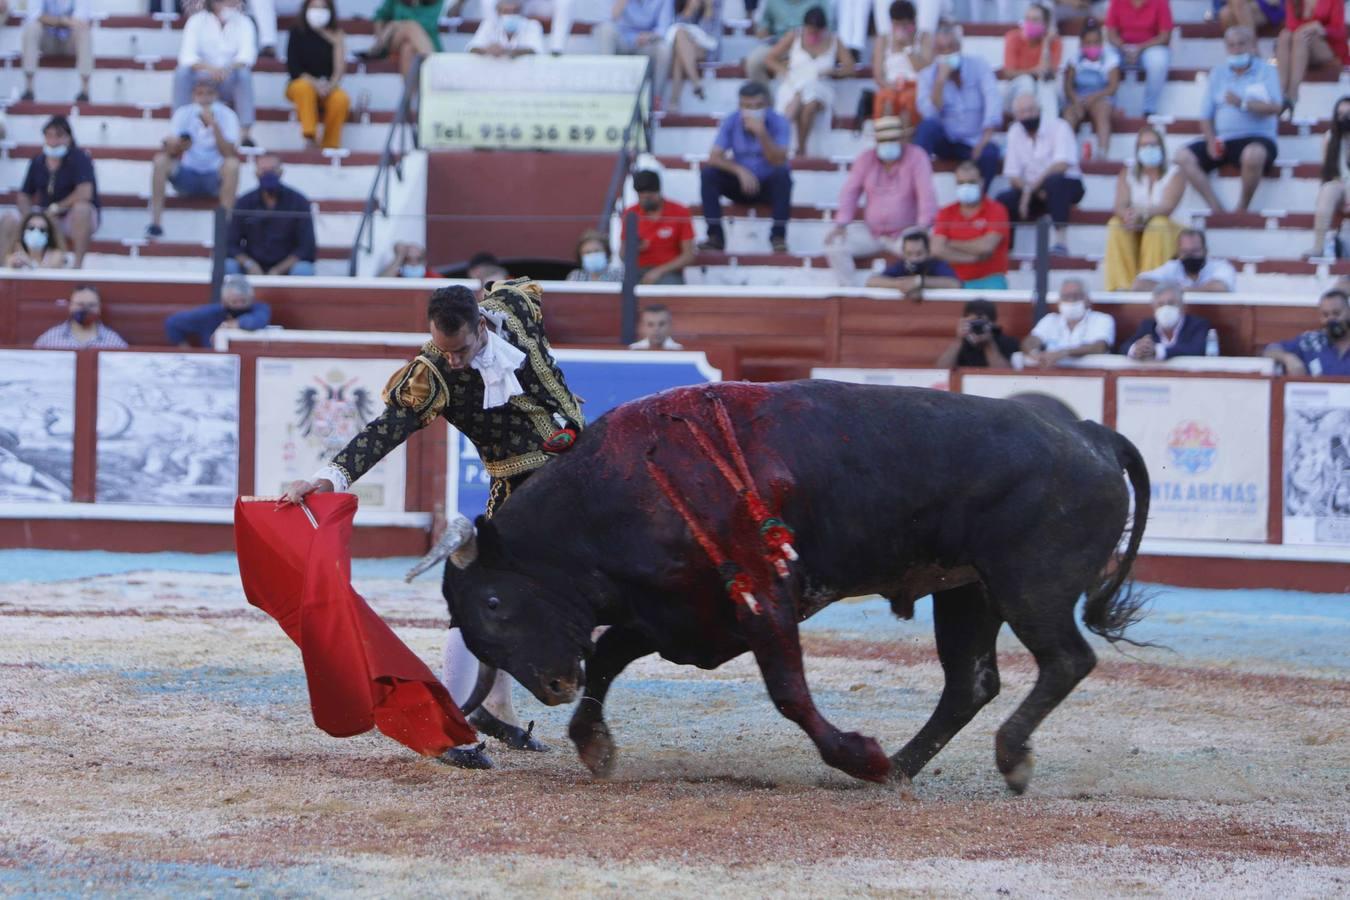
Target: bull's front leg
{"x":772,"y":635}
{"x":617,"y":647}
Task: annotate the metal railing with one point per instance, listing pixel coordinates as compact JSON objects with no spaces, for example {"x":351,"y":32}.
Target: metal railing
{"x":637,"y":138}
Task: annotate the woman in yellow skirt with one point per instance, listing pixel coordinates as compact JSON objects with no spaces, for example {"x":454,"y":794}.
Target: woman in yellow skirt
{"x":1141,"y":235}
{"x":316,"y":58}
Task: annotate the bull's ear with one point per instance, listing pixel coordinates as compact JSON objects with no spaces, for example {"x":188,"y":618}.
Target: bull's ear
{"x":487,"y":540}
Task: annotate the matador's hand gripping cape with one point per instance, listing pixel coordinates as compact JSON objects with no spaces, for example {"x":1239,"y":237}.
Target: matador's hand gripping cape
{"x":360,"y":674}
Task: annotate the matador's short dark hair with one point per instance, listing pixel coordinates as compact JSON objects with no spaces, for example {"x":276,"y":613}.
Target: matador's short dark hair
{"x":451,"y":308}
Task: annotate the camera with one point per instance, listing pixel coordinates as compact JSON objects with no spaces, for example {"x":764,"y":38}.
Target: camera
{"x":979,"y":326}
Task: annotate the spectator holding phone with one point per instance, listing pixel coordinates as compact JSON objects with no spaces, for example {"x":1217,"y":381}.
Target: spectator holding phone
{"x":201,"y":157}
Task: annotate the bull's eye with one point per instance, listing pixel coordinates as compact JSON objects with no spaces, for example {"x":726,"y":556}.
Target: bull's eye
{"x":493,"y":602}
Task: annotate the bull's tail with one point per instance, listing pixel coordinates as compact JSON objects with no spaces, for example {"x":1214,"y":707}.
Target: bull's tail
{"x":1116,"y":603}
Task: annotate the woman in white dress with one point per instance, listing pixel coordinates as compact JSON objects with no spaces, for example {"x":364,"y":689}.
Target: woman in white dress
{"x":807,"y":59}
{"x":1333,"y":197}
{"x":693,"y":35}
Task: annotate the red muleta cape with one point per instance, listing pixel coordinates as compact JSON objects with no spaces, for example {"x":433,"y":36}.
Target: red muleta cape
{"x":360,"y":674}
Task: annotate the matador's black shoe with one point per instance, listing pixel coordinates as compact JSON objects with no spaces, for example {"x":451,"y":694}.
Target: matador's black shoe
{"x":467,"y":758}
{"x":510,"y":735}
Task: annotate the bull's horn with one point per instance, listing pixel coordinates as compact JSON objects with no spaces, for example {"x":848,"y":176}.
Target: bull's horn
{"x":487,"y":676}
{"x":458,"y":542}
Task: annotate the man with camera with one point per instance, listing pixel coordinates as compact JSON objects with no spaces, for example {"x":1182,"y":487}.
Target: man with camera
{"x":200,"y":157}
{"x":980,"y":342}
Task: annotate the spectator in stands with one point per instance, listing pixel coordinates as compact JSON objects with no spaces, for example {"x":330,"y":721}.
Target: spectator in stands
{"x":921,"y":16}
{"x":84,"y":328}
{"x":980,"y":342}
{"x":973,"y":234}
{"x":1325,"y":351}
{"x":406,"y":29}
{"x":656,"y":327}
{"x":640,"y":26}
{"x":37,"y":244}
{"x":774,"y":20}
{"x":200,"y":157}
{"x":1031,"y":56}
{"x":1074,"y":330}
{"x":916,"y":271}
{"x":695,"y":33}
{"x":272,"y":229}
{"x":1170,"y":331}
{"x":897,"y":179}
{"x":807,"y":60}
{"x":749,"y":164}
{"x":409,"y":261}
{"x":60,"y":181}
{"x":237,"y":309}
{"x":508,"y":34}
{"x":1332,"y":195}
{"x":1313,"y":35}
{"x":316,"y":60}
{"x":1142,"y":31}
{"x":1239,"y":120}
{"x":665,"y":233}
{"x":559,"y":11}
{"x":960,"y":104}
{"x":1141,"y":235}
{"x":593,"y":260}
{"x":61,"y":28}
{"x":1251,"y":14}
{"x":1091,"y":80}
{"x":903,"y":54}
{"x":219,"y":43}
{"x":1194,"y":269}
{"x":1042,"y":167}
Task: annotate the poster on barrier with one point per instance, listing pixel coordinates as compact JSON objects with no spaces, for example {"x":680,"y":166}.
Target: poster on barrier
{"x":1316,"y":463}
{"x":1082,"y":393}
{"x":168,"y":429}
{"x":307,"y":411}
{"x":37,"y":431}
{"x":937,"y":379}
{"x":1206,"y":442}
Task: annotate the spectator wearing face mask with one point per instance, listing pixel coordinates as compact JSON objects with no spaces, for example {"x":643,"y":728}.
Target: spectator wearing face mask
{"x":1324,"y":351}
{"x":916,"y":270}
{"x":749,"y":164}
{"x":1170,"y":331}
{"x":593,"y":260}
{"x":237,"y":309}
{"x":665,"y":233}
{"x":972,"y":234}
{"x":272,"y":229}
{"x":508,"y":34}
{"x":60,"y":181}
{"x":409,"y":261}
{"x":316,"y":60}
{"x":1042,"y":167}
{"x":961,"y":106}
{"x":1091,"y":80}
{"x":1141,"y":235}
{"x":200,"y":157}
{"x":1031,"y":56}
{"x":84,"y":329}
{"x":896,"y":178}
{"x":37,"y":244}
{"x":1193,"y":268}
{"x":903,"y":53}
{"x":1074,"y":330}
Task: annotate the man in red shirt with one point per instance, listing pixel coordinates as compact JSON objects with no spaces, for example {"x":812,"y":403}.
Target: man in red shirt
{"x":972,"y":234}
{"x":665,"y":233}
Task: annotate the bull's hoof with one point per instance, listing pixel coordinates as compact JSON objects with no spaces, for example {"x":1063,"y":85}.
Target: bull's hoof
{"x":1020,"y":775}
{"x":466,"y":758}
{"x":595,"y":746}
{"x":859,"y":756}
{"x":903,"y":786}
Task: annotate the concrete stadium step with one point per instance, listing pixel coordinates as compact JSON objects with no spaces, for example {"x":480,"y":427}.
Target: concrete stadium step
{"x":124,"y":261}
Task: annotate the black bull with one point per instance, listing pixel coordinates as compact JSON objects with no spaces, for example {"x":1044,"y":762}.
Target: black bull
{"x":1005,"y":512}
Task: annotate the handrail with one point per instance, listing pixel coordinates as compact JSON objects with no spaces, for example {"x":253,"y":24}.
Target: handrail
{"x":366,"y":230}
{"x":625,"y":156}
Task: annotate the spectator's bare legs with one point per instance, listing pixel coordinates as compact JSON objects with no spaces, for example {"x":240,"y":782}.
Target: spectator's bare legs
{"x":1330,"y":198}
{"x":1238,"y":12}
{"x":684,"y":64}
{"x":1294,"y":52}
{"x":806,"y":120}
{"x":1190,"y":167}
{"x":407,"y":40}
{"x":1101,"y":110}
{"x":81,"y":218}
{"x":1252,"y":164}
{"x":165,"y":160}
{"x":229,"y":181}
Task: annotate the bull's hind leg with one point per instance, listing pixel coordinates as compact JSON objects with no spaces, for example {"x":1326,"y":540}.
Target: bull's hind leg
{"x":966,"y":625}
{"x":616,"y":648}
{"x":1064,"y":659}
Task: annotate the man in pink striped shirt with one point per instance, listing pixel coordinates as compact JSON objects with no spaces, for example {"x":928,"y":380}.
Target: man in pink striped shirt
{"x":897,"y":179}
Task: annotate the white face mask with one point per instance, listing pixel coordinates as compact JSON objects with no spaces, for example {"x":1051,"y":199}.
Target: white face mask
{"x":57,"y":152}
{"x":594,"y":262}
{"x":1072,"y":310}
{"x":318,"y":17}
{"x":35,"y":239}
{"x":889,"y":151}
{"x":752,"y":113}
{"x":413,"y":270}
{"x":1150,"y":155}
{"x":1167,"y":317}
{"x":968,"y":194}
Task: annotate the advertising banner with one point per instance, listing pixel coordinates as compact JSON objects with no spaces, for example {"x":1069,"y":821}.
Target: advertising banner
{"x":168,"y":429}
{"x":1082,"y":394}
{"x":308,"y":409}
{"x":37,"y":430}
{"x":1206,"y":442}
{"x":1316,"y":463}
{"x":528,"y":103}
{"x":938,"y":379}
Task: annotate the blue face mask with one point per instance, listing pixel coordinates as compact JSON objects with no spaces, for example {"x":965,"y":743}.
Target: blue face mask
{"x":413,"y":270}
{"x":1239,"y":60}
{"x":952,"y":60}
{"x":511,"y":24}
{"x":57,"y":152}
{"x":889,"y":151}
{"x":269,"y":182}
{"x":594,"y":262}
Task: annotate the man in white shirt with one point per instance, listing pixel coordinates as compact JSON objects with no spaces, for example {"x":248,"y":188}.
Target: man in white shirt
{"x":508,"y":34}
{"x":220,"y":42}
{"x":1042,"y":165}
{"x":1193,"y":268}
{"x":1075,"y":330}
{"x":656,"y":325}
{"x":200,"y":157}
{"x":61,"y":28}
